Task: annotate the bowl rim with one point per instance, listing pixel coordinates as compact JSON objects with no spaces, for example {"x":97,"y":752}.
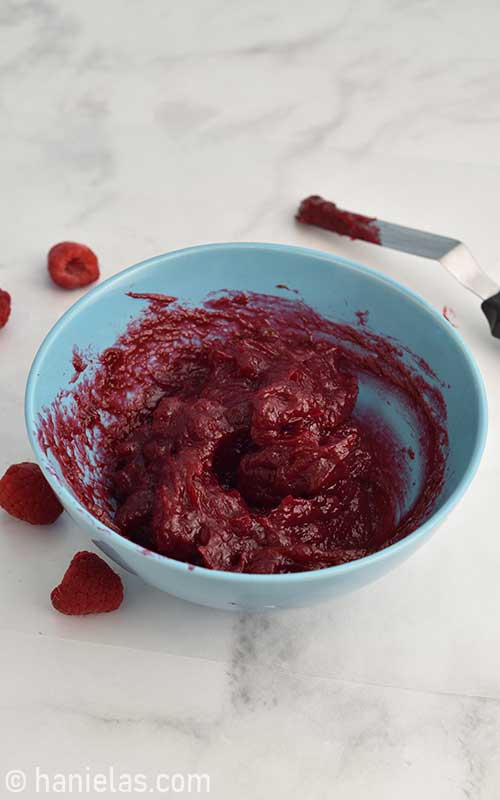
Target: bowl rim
{"x":240,"y":577}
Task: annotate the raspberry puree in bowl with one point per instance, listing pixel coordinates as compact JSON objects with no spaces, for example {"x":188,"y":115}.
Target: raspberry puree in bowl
{"x":230,"y":436}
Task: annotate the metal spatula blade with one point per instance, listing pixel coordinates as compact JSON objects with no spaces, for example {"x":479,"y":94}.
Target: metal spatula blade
{"x":452,"y":254}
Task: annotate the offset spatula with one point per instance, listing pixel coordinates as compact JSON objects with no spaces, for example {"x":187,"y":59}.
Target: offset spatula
{"x":452,"y":254}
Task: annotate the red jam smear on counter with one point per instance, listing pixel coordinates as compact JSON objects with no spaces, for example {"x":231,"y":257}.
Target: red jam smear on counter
{"x":227,"y":436}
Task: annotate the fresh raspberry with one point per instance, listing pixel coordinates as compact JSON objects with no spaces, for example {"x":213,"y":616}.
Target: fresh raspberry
{"x":4,"y":307}
{"x":89,"y":586}
{"x":25,"y":494}
{"x":72,"y":265}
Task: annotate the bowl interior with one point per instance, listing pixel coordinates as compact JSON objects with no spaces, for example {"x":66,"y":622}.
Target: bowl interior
{"x":336,"y":288}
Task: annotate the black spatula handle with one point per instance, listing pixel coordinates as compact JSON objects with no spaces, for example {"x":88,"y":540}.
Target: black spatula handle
{"x":491,"y":309}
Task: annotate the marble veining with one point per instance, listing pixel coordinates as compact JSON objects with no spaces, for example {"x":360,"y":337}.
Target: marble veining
{"x":159,"y":125}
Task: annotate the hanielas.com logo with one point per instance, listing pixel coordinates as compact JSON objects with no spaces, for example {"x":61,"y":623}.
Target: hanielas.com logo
{"x":111,"y":781}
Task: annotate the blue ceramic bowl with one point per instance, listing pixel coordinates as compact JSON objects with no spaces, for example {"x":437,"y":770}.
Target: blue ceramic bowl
{"x":336,"y":288}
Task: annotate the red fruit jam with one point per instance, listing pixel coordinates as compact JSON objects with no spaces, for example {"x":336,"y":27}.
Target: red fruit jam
{"x":228,"y":436}
{"x":315,"y":210}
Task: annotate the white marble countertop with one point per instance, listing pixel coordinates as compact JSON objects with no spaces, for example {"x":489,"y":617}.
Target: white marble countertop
{"x":142,"y":127}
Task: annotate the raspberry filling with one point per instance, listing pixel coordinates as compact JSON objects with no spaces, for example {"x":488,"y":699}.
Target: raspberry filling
{"x":315,"y":210}
{"x":229,"y":436}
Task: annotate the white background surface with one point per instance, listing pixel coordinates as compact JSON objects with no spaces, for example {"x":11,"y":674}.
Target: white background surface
{"x":142,"y":127}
